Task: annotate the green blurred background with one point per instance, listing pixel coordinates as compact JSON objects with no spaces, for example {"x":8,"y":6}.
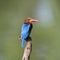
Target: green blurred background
{"x":45,"y":34}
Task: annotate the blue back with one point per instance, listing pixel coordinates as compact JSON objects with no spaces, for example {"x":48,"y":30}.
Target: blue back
{"x":25,"y":32}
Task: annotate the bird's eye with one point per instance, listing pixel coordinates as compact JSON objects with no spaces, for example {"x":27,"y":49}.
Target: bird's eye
{"x":28,"y":19}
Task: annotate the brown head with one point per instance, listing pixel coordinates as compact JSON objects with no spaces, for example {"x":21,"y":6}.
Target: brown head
{"x":29,"y":20}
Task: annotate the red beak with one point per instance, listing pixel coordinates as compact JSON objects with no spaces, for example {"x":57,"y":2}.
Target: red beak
{"x":33,"y":20}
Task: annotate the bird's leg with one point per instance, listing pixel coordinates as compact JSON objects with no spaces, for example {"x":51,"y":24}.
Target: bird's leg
{"x":27,"y":51}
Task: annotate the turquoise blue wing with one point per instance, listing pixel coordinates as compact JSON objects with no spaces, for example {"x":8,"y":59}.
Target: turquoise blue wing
{"x":25,"y":33}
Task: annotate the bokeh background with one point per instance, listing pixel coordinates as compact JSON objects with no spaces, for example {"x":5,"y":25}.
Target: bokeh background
{"x":45,"y":34}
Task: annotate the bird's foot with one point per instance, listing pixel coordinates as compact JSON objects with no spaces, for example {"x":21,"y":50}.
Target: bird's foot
{"x":19,"y":37}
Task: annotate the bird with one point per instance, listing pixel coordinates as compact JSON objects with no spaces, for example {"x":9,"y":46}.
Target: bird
{"x":26,"y":29}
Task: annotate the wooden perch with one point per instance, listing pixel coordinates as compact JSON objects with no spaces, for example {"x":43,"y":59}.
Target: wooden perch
{"x":27,"y":51}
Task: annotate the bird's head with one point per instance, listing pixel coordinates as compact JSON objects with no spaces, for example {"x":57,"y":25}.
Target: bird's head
{"x":30,"y":20}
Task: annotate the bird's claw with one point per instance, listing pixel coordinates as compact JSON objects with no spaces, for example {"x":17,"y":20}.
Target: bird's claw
{"x":19,"y":37}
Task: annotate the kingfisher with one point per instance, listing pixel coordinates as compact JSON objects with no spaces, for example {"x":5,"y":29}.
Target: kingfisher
{"x":26,"y":30}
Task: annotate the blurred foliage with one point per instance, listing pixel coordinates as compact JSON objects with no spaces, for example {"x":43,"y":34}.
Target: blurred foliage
{"x":46,"y":40}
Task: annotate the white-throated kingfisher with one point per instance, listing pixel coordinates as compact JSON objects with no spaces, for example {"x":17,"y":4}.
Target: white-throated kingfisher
{"x":26,"y":30}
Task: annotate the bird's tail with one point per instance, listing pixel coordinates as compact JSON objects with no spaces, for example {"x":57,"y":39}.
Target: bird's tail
{"x":23,"y":43}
